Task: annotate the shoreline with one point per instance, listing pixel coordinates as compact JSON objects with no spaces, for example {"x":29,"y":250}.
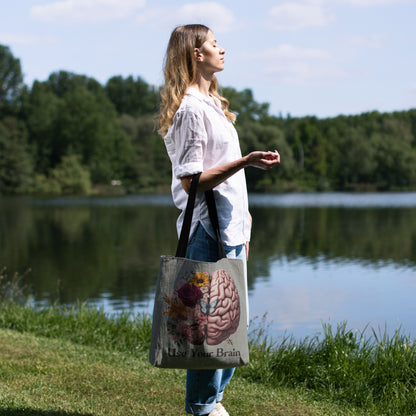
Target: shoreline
{"x":345,"y":371}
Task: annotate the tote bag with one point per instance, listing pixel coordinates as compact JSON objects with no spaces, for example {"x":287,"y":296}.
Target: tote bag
{"x":200,"y":310}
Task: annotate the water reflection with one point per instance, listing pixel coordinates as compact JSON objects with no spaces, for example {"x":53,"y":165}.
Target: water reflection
{"x":361,"y":234}
{"x":338,"y":257}
{"x":81,"y":251}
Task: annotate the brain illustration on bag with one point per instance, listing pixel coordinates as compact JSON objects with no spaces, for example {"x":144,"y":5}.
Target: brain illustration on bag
{"x":203,"y":307}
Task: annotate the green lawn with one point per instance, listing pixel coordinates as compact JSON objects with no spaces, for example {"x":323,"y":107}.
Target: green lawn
{"x":81,"y":361}
{"x":47,"y":376}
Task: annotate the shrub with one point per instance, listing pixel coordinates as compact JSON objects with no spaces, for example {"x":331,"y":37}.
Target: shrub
{"x":68,"y":178}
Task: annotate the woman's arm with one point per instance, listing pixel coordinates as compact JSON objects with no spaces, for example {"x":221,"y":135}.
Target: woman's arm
{"x":211,"y":178}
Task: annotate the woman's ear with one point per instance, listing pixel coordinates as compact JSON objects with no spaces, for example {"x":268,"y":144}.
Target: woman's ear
{"x":198,"y":55}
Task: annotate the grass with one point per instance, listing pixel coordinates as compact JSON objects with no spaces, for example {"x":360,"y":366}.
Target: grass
{"x":82,"y":325}
{"x":81,"y":361}
{"x":11,"y":288}
{"x":44,"y":376}
{"x":376,"y":373}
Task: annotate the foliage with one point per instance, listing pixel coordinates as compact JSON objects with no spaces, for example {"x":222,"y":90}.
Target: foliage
{"x":253,"y":136}
{"x":12,"y":289}
{"x":132,"y":96}
{"x":243,"y":103}
{"x":149,"y":166}
{"x":112,"y":128}
{"x":372,"y":372}
{"x":67,"y":178}
{"x":16,"y":165}
{"x":71,"y":114}
{"x":11,"y":81}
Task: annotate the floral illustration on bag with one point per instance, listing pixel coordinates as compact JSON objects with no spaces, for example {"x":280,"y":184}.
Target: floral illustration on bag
{"x":203,"y":307}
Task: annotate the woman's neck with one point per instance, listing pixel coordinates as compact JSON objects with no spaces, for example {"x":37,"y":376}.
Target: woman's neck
{"x":202,"y":84}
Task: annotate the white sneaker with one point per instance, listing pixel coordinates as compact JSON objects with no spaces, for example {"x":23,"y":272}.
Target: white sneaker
{"x":221,"y":410}
{"x":215,"y":412}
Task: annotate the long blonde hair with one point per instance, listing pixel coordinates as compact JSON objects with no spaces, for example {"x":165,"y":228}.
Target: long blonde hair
{"x":180,"y":72}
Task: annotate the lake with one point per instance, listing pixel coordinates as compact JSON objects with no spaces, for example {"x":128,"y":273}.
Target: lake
{"x":314,"y":258}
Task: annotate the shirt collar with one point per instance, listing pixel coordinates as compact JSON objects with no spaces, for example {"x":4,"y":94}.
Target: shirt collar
{"x":195,"y":93}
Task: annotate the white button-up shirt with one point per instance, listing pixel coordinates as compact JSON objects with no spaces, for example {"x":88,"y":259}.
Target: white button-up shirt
{"x":200,"y":138}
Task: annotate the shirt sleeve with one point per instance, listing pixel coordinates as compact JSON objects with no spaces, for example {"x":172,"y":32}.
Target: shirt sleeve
{"x":190,"y":138}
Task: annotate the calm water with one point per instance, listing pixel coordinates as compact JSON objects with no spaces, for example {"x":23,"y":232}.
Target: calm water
{"x":314,"y":257}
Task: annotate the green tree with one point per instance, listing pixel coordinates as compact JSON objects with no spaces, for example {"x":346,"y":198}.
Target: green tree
{"x":11,"y":82}
{"x":260,"y":136}
{"x":243,"y":103}
{"x":317,"y":146}
{"x":41,"y":111}
{"x":87,"y":126}
{"x":73,"y":178}
{"x":63,"y":82}
{"x":16,"y":168}
{"x":354,"y":160}
{"x":132,"y":96}
{"x":396,"y":161}
{"x":149,"y":166}
{"x":68,"y":178}
{"x":71,"y":115}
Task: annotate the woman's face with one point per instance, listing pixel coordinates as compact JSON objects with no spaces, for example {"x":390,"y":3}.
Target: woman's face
{"x":210,"y":56}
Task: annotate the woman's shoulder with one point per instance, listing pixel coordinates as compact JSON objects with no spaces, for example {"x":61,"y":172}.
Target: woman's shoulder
{"x":190,"y":107}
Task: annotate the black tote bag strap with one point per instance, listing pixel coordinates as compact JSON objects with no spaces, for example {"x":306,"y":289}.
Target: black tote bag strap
{"x":187,"y":221}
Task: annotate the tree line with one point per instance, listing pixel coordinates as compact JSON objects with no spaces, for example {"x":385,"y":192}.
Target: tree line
{"x":71,"y":135}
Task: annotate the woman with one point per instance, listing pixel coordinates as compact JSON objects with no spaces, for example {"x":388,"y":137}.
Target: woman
{"x":200,"y":137}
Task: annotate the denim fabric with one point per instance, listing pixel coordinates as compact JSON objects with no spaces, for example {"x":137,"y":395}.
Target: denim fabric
{"x":204,"y":388}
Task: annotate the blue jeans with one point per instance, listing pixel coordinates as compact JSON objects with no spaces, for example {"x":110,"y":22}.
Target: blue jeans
{"x":204,"y":388}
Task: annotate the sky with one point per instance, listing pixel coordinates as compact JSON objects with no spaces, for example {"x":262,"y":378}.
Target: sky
{"x":303,"y":57}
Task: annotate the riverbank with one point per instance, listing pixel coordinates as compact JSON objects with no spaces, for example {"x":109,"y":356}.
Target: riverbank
{"x":42,"y":376}
{"x":80,"y":361}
